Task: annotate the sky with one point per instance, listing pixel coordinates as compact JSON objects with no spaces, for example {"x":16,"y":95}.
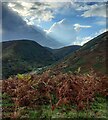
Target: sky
{"x":69,"y":23}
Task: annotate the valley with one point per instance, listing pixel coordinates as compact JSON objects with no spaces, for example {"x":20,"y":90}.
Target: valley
{"x":53,"y":60}
{"x":68,"y":82}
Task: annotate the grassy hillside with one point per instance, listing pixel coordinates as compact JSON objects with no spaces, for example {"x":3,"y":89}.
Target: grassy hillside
{"x":91,"y":55}
{"x":46,"y":96}
{"x":63,"y":52}
{"x":22,"y":55}
{"x":61,"y":95}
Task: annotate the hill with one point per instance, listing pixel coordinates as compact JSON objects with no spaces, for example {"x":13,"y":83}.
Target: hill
{"x":64,"y":51}
{"x":91,"y":55}
{"x":21,"y":56}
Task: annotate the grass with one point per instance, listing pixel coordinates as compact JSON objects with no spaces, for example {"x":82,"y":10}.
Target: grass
{"x":97,"y":110}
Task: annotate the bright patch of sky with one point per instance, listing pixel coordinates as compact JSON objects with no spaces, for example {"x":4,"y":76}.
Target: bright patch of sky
{"x":67,"y":22}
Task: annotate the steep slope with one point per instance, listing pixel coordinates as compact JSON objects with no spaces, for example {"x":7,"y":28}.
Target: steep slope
{"x":65,"y":51}
{"x":20,"y":56}
{"x":91,"y":55}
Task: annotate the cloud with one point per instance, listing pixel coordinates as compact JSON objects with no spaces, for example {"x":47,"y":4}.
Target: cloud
{"x":78,"y":27}
{"x":46,"y":13}
{"x":63,"y":32}
{"x":83,"y":40}
{"x":53,"y":1}
{"x":34,"y":11}
{"x":82,"y":7}
{"x":86,"y":39}
{"x":101,"y":22}
{"x":55,"y":26}
{"x":101,"y":31}
{"x":96,"y":10}
{"x":15,"y":28}
{"x":43,"y":11}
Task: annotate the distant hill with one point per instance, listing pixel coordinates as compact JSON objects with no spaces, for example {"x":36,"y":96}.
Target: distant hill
{"x":91,"y":55}
{"x":64,"y":51}
{"x":21,"y":56}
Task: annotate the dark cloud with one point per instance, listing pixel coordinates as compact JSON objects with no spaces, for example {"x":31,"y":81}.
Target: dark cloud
{"x":14,"y":27}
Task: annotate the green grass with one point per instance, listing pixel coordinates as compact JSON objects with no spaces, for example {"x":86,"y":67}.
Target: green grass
{"x":97,"y":110}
